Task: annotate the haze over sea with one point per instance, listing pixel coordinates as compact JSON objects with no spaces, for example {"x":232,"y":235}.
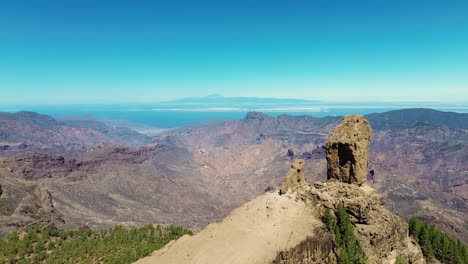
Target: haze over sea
{"x":187,"y":111}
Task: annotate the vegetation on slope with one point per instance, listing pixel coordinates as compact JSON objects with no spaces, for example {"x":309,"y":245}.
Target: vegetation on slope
{"x":435,"y":243}
{"x":115,"y":245}
{"x":349,"y":248}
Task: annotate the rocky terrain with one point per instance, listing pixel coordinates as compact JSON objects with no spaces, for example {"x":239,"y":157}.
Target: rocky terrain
{"x":195,"y":175}
{"x":271,"y":226}
{"x":382,"y":235}
{"x":420,"y":167}
{"x":117,"y":185}
{"x":289,"y":220}
{"x":23,"y":203}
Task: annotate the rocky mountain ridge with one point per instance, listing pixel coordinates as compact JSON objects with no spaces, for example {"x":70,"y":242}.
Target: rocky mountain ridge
{"x":256,"y":231}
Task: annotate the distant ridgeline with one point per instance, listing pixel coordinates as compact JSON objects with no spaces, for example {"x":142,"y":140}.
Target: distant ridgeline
{"x":115,"y":245}
{"x":436,"y":244}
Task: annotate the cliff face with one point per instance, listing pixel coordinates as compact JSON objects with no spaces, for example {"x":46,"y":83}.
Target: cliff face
{"x":36,"y":166}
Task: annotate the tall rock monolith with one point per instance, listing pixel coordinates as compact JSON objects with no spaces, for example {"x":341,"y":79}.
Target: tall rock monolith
{"x":348,"y":150}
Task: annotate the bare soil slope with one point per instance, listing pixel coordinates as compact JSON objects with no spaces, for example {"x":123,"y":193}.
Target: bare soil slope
{"x":259,"y":230}
{"x":252,"y":233}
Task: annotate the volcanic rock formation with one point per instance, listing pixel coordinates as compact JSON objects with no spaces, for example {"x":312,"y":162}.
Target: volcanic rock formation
{"x":294,"y":177}
{"x":382,"y":235}
{"x":348,"y":150}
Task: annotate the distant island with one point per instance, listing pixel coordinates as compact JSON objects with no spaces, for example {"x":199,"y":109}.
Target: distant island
{"x":217,"y":99}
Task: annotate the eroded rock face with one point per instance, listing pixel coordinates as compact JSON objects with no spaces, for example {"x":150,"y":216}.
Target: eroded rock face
{"x":382,"y":235}
{"x":294,"y":177}
{"x":348,"y":150}
{"x":36,"y":166}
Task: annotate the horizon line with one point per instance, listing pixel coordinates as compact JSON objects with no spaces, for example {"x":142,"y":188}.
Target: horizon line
{"x":175,"y":101}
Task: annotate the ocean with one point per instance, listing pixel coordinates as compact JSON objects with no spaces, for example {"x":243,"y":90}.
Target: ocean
{"x":180,"y":115}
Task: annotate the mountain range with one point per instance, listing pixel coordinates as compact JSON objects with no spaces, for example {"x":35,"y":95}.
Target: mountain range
{"x":101,"y":175}
{"x":29,"y":130}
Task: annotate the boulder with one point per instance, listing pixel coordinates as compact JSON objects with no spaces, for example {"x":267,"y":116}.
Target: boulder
{"x":347,"y":150}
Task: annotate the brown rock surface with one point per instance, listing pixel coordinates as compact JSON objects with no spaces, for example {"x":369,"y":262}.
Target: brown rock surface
{"x":382,"y":234}
{"x":294,"y":177}
{"x":348,"y":150}
{"x":36,"y":165}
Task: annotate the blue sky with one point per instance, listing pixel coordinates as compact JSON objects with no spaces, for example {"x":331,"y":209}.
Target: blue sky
{"x":60,"y":52}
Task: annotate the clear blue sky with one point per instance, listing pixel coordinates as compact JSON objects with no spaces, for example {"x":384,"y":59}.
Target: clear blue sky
{"x":143,"y":51}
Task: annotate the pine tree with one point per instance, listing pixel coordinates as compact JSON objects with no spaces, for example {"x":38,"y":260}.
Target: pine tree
{"x":115,"y":245}
{"x":436,"y":243}
{"x":329,"y":220}
{"x":349,"y":248}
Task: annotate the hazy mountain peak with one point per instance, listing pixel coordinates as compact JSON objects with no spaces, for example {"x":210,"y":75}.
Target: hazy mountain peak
{"x":214,"y":96}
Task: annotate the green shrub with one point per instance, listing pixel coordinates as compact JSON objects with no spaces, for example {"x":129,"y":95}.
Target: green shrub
{"x":400,"y":260}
